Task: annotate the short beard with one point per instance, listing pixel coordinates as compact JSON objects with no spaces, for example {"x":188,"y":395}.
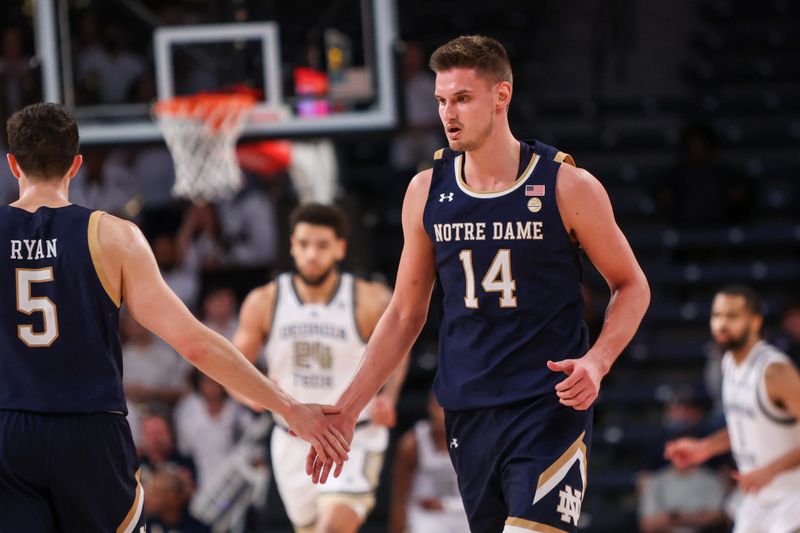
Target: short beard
{"x":319,"y":280}
{"x":468,"y":146}
{"x":734,"y":344}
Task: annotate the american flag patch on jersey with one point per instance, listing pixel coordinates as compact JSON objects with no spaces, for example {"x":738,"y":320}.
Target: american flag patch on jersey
{"x":534,"y":190}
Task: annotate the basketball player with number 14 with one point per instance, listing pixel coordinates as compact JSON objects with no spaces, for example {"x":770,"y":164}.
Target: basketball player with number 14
{"x":499,"y":225}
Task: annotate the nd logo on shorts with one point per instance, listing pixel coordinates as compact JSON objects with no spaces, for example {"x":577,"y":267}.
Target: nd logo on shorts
{"x":569,"y":496}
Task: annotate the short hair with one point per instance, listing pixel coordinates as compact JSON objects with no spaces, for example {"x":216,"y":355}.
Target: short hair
{"x":752,"y":300}
{"x":44,"y":140}
{"x":484,"y":54}
{"x":319,"y":215}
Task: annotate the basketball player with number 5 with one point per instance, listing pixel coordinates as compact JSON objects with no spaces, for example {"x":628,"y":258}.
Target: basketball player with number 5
{"x":499,"y":225}
{"x":67,"y":459}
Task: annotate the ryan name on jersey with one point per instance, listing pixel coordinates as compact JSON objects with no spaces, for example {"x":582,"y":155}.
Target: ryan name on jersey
{"x":481,"y":231}
{"x":33,"y":249}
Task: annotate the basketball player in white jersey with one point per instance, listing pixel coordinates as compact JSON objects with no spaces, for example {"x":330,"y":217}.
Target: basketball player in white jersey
{"x":313,"y":325}
{"x":761,"y":399}
{"x":425,"y":494}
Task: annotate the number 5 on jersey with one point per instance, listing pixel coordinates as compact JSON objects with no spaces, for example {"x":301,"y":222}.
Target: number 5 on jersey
{"x":31,"y":304}
{"x":498,"y":278}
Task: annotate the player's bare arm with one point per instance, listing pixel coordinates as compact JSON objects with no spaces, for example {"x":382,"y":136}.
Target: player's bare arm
{"x":783,"y":388}
{"x":690,"y":451}
{"x":373,"y":299}
{"x":589,"y":219}
{"x":255,"y":319}
{"x":405,"y":462}
{"x":399,"y":326}
{"x":132,"y":274}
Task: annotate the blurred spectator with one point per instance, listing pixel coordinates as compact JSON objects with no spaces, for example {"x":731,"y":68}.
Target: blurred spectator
{"x":684,"y":414}
{"x":153,"y":371}
{"x":688,"y":500}
{"x":19,"y":85}
{"x":207,"y":425}
{"x":9,"y":186}
{"x":788,"y":340}
{"x":220,"y":311}
{"x":105,"y":182}
{"x":166,"y":504}
{"x":425,"y":495}
{"x":182,"y":280}
{"x":248,"y":223}
{"x":423,"y":133}
{"x":107,"y":73}
{"x":699,"y":190}
{"x":157,"y":449}
{"x":200,"y":241}
{"x":153,"y":170}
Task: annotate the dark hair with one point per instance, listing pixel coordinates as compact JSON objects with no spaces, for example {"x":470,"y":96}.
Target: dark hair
{"x":752,"y":300}
{"x":44,"y":139}
{"x":320,"y":215}
{"x":484,"y":54}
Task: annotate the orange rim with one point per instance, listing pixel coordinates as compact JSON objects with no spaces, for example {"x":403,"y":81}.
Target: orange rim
{"x":210,"y":108}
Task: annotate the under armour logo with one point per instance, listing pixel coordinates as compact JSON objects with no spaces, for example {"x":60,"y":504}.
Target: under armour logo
{"x":443,"y":197}
{"x":570,"y":505}
{"x":454,"y":442}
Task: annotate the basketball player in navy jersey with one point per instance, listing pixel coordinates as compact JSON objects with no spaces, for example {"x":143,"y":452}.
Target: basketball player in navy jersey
{"x":499,"y":225}
{"x":67,"y":460}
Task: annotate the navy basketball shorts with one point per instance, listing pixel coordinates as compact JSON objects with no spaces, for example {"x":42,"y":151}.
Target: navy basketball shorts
{"x":521,"y":467}
{"x":65,"y":473}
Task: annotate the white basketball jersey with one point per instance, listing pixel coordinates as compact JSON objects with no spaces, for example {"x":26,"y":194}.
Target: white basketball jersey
{"x":314,"y":349}
{"x":759,"y":430}
{"x":434,"y":478}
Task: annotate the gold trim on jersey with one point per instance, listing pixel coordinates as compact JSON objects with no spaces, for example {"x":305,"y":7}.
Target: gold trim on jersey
{"x":350,"y":500}
{"x":556,"y":471}
{"x":531,"y":525}
{"x":373,"y":464}
{"x":136,"y":510}
{"x":563,"y":157}
{"x":94,"y":251}
{"x":459,"y":163}
{"x":438,"y":153}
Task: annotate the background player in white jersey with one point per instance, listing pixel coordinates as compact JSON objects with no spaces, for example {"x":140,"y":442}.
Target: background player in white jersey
{"x":315,"y":323}
{"x":761,"y":399}
{"x":424,"y":486}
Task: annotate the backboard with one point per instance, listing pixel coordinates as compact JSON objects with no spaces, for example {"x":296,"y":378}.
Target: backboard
{"x":316,"y":68}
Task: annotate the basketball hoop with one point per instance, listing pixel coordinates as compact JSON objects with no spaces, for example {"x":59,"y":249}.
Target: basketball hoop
{"x":201,"y":133}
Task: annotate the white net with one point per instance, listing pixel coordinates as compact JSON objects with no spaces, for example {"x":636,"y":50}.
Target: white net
{"x":201,"y":134}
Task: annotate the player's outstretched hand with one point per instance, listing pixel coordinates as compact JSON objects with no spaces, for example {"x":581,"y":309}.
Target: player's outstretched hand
{"x":319,"y":466}
{"x":686,"y":452}
{"x":311,"y":422}
{"x":580,"y":388}
{"x":382,"y":411}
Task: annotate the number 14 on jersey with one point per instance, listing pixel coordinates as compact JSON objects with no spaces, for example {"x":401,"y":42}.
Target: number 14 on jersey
{"x":498,"y":278}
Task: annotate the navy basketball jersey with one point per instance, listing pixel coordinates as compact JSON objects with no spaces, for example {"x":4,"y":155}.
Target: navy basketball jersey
{"x":510,"y":279}
{"x":59,"y":347}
